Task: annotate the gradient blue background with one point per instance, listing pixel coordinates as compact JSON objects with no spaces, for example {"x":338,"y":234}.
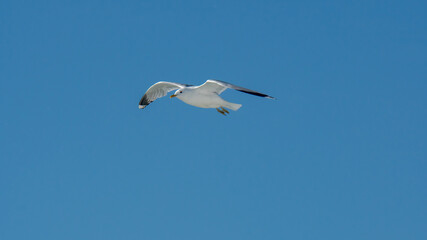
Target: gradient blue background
{"x":340,"y":155}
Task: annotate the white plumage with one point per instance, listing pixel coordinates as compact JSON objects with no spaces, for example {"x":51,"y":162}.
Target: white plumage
{"x":203,"y":96}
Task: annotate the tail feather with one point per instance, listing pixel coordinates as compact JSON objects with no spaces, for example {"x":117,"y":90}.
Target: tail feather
{"x":232,"y":106}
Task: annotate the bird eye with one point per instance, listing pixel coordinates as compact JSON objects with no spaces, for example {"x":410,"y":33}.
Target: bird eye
{"x":180,"y":91}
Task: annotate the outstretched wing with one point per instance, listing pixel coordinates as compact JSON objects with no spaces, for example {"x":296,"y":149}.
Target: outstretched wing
{"x":218,"y":87}
{"x":158,"y":90}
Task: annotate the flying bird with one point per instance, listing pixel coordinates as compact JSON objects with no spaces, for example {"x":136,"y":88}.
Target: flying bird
{"x":203,"y":96}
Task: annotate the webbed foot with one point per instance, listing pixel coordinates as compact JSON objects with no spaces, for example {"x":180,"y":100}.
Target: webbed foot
{"x":220,"y":111}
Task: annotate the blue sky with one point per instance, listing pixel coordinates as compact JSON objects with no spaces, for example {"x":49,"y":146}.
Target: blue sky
{"x":340,"y":155}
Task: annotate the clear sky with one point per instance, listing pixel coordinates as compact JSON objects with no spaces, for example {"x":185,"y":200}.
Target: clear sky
{"x":340,"y":155}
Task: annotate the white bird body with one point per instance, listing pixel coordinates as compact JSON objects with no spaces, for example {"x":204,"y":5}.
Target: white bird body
{"x":204,"y":99}
{"x":203,"y":96}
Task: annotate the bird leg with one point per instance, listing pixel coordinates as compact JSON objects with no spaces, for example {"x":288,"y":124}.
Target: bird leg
{"x":220,"y":111}
{"x":225,"y":110}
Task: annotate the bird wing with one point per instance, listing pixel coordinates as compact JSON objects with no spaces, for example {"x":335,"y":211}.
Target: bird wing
{"x":158,"y":90}
{"x":218,"y":87}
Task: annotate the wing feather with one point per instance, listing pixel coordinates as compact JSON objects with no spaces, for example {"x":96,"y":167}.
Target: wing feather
{"x":218,"y":87}
{"x":158,"y":90}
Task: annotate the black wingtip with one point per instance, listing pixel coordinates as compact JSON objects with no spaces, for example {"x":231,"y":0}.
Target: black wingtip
{"x":256,"y":94}
{"x":144,"y":102}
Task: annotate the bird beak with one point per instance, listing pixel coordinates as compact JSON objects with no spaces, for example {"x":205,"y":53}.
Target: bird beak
{"x":173,"y":95}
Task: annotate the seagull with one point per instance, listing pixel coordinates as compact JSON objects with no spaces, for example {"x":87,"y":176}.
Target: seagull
{"x":203,"y":96}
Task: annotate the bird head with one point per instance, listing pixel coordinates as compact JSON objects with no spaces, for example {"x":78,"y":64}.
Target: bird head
{"x":177,"y":93}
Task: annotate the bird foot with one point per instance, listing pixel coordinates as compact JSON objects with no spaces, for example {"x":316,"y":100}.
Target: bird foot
{"x":221,"y":111}
{"x":225,"y":110}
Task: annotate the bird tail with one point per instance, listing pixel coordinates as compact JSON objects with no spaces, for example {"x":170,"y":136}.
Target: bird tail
{"x":232,"y":106}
